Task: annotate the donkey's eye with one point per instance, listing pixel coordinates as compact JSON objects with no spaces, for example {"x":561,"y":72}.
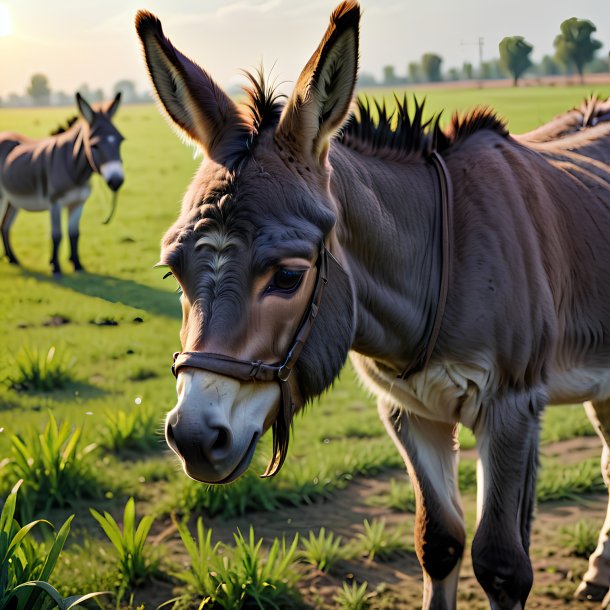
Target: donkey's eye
{"x":286,"y":280}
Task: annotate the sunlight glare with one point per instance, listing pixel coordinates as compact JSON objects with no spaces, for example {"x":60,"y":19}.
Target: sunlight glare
{"x":5,"y":20}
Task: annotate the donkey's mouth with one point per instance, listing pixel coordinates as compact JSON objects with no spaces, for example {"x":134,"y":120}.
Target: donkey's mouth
{"x":204,"y":470}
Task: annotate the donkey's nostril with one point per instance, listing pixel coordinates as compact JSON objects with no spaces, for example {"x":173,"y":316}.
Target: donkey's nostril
{"x":222,"y":443}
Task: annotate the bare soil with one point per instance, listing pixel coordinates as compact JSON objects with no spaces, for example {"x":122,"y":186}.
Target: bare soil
{"x":397,"y":584}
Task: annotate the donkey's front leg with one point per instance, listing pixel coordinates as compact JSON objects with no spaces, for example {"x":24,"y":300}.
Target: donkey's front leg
{"x":430,"y":451}
{"x":74,"y":213}
{"x":8,"y":213}
{"x":56,"y":237}
{"x":507,"y":440}
{"x":595,"y":582}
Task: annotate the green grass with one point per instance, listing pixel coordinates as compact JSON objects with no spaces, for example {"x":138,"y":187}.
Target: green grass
{"x":126,"y":363}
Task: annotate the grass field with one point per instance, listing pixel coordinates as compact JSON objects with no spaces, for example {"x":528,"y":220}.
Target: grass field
{"x":118,"y":325}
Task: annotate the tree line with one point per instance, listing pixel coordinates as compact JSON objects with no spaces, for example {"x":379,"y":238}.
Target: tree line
{"x":39,"y":93}
{"x":575,"y":52}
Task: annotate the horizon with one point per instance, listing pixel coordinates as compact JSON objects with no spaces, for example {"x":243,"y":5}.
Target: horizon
{"x":74,"y":43}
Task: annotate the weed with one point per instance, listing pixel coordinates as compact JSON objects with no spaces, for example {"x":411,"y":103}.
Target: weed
{"x":400,"y":497}
{"x":322,"y":551}
{"x":54,"y":469}
{"x":580,"y":538}
{"x":134,"y":430}
{"x":559,"y":482}
{"x":353,"y":597}
{"x":238,"y":577}
{"x":134,"y":564}
{"x":26,"y":566}
{"x":41,"y":372}
{"x":376,"y":541}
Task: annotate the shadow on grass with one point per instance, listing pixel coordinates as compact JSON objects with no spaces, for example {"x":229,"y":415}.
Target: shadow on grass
{"x":117,"y":290}
{"x":74,"y":390}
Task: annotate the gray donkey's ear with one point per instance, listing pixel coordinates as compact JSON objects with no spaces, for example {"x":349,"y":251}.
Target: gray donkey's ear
{"x":322,"y":96}
{"x":84,"y":108}
{"x":113,"y":106}
{"x":200,"y":109}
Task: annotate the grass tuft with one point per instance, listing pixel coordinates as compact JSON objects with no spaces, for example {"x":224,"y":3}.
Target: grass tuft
{"x":39,"y":371}
{"x":55,"y":470}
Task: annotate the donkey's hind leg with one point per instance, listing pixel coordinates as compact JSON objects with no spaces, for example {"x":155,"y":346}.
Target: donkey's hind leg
{"x":56,"y":237}
{"x":430,"y":451}
{"x":596,"y":580}
{"x":8,"y":213}
{"x":507,"y":441}
{"x":74,"y":213}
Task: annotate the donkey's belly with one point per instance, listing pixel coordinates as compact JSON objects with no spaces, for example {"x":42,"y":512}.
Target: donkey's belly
{"x":40,"y":203}
{"x":579,"y":384}
{"x":448,"y":393}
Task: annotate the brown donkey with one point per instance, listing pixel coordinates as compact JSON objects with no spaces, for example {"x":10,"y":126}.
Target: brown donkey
{"x":294,"y":247}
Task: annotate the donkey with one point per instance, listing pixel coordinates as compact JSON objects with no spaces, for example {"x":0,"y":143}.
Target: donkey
{"x":54,"y":173}
{"x":591,"y":112}
{"x":466,"y":273}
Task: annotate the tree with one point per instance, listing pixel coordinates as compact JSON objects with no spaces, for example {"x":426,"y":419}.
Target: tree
{"x":431,"y":66}
{"x":39,"y":89}
{"x":414,"y":72}
{"x":127,"y":89}
{"x":574,"y":45}
{"x":549,"y":66}
{"x":514,"y":56}
{"x":467,"y":70}
{"x":389,"y":75}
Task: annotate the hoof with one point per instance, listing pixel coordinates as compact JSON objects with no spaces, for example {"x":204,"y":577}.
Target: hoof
{"x":590,"y":591}
{"x":13,"y":261}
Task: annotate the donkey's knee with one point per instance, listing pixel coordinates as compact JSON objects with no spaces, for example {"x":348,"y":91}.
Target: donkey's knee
{"x":503,"y":569}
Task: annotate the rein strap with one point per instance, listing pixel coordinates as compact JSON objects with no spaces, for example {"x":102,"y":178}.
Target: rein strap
{"x":421,"y":360}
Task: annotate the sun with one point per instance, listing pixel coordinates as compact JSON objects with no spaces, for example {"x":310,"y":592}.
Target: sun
{"x":5,"y":20}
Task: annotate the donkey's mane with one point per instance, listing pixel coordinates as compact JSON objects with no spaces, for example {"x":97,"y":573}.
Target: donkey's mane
{"x":373,"y":128}
{"x":402,"y":132}
{"x":263,"y":102}
{"x":63,"y":128}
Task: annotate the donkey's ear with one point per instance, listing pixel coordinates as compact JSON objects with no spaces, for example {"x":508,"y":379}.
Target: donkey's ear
{"x":113,"y":106}
{"x":84,"y":108}
{"x":321,"y":98}
{"x":193,"y":101}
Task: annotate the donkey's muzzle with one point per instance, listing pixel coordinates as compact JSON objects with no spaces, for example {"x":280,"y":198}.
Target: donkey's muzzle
{"x":115,"y":182}
{"x":216,"y":425}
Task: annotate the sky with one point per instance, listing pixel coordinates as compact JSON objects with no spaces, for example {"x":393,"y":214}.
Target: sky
{"x":93,"y":41}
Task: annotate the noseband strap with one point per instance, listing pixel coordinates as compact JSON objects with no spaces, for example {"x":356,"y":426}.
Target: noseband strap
{"x":257,"y":370}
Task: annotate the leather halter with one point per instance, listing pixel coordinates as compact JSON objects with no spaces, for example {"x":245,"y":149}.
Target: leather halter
{"x":257,"y":370}
{"x":421,"y":359}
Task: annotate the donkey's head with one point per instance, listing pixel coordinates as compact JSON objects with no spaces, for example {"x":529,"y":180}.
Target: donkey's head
{"x":251,"y":251}
{"x":102,"y":140}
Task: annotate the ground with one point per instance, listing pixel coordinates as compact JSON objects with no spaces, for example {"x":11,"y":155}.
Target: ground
{"x":397,"y":584}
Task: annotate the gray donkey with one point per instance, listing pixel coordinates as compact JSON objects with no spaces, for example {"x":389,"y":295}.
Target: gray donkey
{"x":54,"y":173}
{"x":464,"y":271}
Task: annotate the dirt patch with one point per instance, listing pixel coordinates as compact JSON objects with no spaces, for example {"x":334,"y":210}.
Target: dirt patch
{"x":397,"y":583}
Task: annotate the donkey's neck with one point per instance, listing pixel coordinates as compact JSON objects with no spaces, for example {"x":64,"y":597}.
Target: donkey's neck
{"x":70,"y":156}
{"x":389,"y":229}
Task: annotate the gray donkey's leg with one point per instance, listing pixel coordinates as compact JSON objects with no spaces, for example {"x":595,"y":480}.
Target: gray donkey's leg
{"x":430,"y":451}
{"x":596,"y":580}
{"x":507,"y":440}
{"x":7,"y":218}
{"x":56,"y":237}
{"x":74,"y":213}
